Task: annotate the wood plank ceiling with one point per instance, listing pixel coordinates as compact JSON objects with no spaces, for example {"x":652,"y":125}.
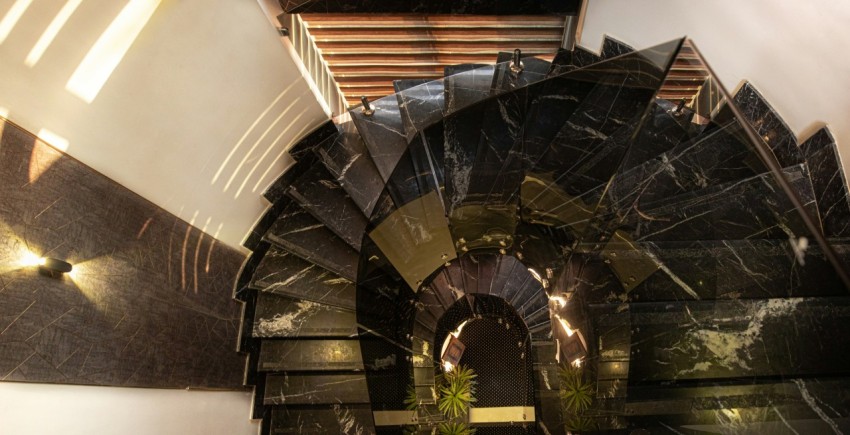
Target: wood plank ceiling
{"x":366,"y":52}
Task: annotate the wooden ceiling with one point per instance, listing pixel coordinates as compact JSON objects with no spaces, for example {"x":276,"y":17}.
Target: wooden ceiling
{"x":367,"y":52}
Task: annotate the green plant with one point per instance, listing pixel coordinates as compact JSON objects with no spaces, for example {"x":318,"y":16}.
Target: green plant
{"x":455,"y":429}
{"x":411,"y":402}
{"x":579,"y":424}
{"x":576,"y":393}
{"x":457,"y":392}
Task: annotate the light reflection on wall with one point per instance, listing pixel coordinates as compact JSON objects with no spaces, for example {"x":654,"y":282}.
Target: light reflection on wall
{"x":50,"y":32}
{"x":11,"y":18}
{"x":110,"y":48}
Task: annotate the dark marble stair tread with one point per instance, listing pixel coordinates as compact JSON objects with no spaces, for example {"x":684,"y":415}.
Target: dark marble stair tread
{"x":348,"y":159}
{"x":299,"y":233}
{"x":830,"y":183}
{"x":792,"y":338}
{"x":712,"y":270}
{"x":755,"y":207}
{"x":307,"y":355}
{"x":383,"y":133}
{"x":534,"y":70}
{"x":467,"y":84}
{"x":418,"y":96}
{"x":566,"y":60}
{"x":769,"y":125}
{"x":318,"y":192}
{"x":326,"y":131}
{"x":309,"y":420}
{"x":280,"y":185}
{"x":315,"y":389}
{"x":613,"y":48}
{"x":281,"y":272}
{"x":284,"y":317}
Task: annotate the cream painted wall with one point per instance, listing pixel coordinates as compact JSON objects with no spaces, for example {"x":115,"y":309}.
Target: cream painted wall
{"x":208,"y":88}
{"x":793,"y":52}
{"x":28,"y":409}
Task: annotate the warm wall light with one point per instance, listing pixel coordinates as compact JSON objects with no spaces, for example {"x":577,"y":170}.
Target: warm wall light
{"x":30,"y":259}
{"x":54,"y":268}
{"x":110,"y":49}
{"x":11,"y":18}
{"x":50,"y":33}
{"x":566,"y":326}
{"x":53,"y":139}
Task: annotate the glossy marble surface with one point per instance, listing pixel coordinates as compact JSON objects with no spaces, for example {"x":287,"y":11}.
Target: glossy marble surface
{"x":830,"y":183}
{"x":149,"y":302}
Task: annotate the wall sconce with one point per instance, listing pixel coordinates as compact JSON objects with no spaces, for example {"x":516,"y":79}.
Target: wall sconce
{"x":53,"y":267}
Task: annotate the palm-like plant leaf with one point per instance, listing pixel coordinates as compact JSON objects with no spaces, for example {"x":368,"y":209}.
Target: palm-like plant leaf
{"x":576,"y":393}
{"x":457,"y":392}
{"x":411,"y":402}
{"x":579,"y":424}
{"x":455,"y":429}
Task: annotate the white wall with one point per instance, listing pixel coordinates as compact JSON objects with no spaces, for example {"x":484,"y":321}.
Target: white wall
{"x":795,"y":53}
{"x":200,"y":92}
{"x":27,"y":409}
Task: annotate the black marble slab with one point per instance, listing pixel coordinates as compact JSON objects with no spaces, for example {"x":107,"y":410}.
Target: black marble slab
{"x":613,"y":48}
{"x":769,"y":125}
{"x":471,"y":7}
{"x":793,"y":337}
{"x":285,"y":317}
{"x":294,"y":171}
{"x":281,"y":272}
{"x":348,"y":159}
{"x":299,"y":233}
{"x":830,"y":183}
{"x":303,"y":420}
{"x":325,"y":132}
{"x":383,"y":132}
{"x":318,"y":192}
{"x":310,"y":355}
{"x":148,"y":303}
{"x":315,"y":389}
{"x":566,"y":60}
{"x":466,"y":84}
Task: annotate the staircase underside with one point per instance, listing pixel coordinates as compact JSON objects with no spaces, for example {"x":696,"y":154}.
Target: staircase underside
{"x":579,"y":205}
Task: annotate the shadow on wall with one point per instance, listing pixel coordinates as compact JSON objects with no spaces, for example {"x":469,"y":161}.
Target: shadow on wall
{"x":148,"y":303}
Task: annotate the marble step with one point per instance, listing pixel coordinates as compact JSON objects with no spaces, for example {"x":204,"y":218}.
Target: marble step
{"x":415,"y":96}
{"x":566,"y":60}
{"x":348,"y":159}
{"x":325,"y":132}
{"x":533,"y":71}
{"x":296,"y":231}
{"x":613,"y":48}
{"x":310,"y":420}
{"x":829,"y":182}
{"x":383,"y":132}
{"x":284,"y":317}
{"x":739,"y":339}
{"x":283,"y":273}
{"x":748,"y":208}
{"x":310,"y":355}
{"x":315,"y":389}
{"x":769,"y":125}
{"x":318,"y":192}
{"x":577,"y":112}
{"x":712,"y":270}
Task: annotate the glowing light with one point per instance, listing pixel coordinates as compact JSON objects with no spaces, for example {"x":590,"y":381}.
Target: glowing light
{"x":53,"y":139}
{"x":50,"y":33}
{"x":110,"y":48}
{"x":29,"y":259}
{"x":559,"y":301}
{"x":577,"y":362}
{"x":8,"y":22}
{"x":447,"y":366}
{"x":566,"y":326}
{"x":4,"y":112}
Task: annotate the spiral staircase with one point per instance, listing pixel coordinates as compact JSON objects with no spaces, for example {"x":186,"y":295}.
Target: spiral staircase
{"x":570,"y":212}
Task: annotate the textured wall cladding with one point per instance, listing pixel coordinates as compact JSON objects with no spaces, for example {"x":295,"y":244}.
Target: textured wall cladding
{"x":149,"y":303}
